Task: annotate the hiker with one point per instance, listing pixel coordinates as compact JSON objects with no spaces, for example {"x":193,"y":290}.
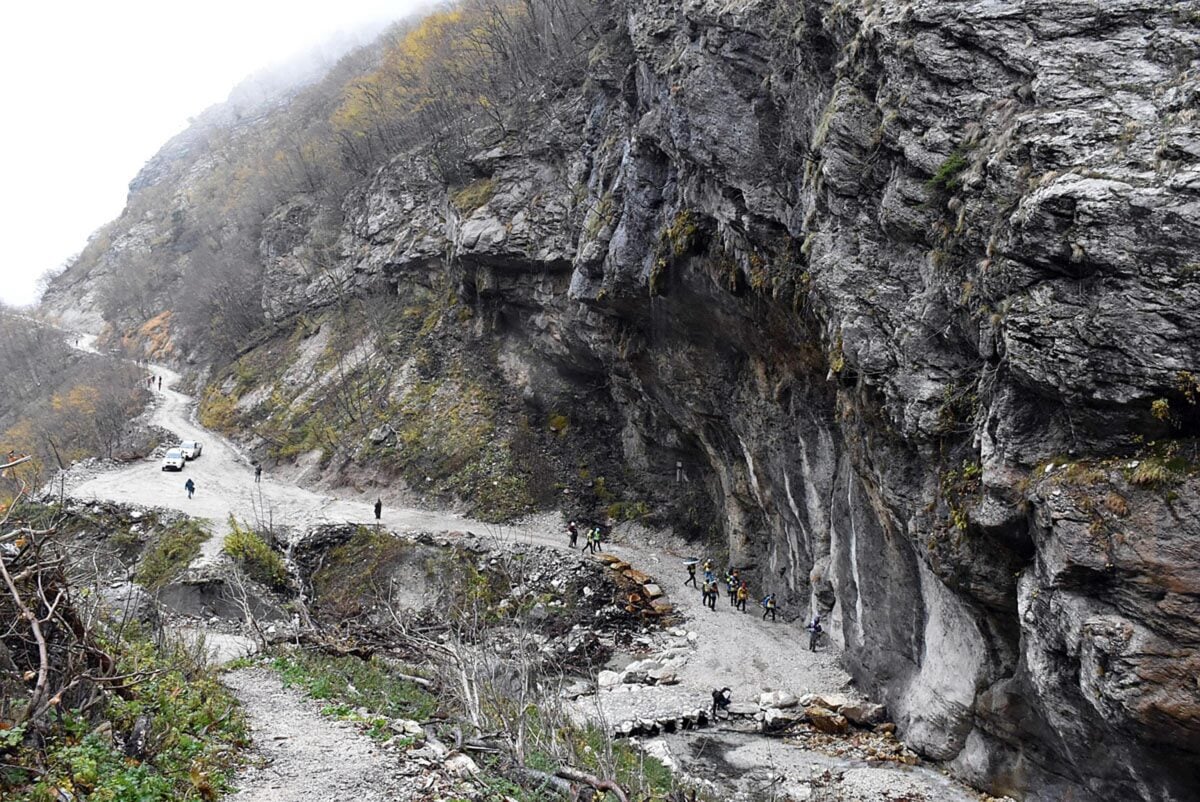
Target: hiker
{"x":768,"y":605}
{"x":589,"y":545}
{"x":743,"y":593}
{"x":720,"y":702}
{"x":378,"y":509}
{"x":190,"y":487}
{"x":160,"y":384}
{"x":815,"y":631}
{"x":598,"y":534}
{"x":258,"y":474}
{"x":710,"y":594}
{"x":573,"y":531}
{"x":691,"y":569}
{"x":731,"y":583}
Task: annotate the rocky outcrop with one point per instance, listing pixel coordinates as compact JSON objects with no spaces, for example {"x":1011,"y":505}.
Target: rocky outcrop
{"x":908,"y":290}
{"x":862,"y":269}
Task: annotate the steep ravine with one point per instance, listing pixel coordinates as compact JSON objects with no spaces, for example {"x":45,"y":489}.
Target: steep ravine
{"x":909,"y":289}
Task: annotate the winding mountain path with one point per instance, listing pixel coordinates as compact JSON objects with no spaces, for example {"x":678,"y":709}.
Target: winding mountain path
{"x":300,"y":747}
{"x":225,"y":485}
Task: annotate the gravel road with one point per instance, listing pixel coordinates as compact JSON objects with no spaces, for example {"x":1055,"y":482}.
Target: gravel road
{"x":303,"y":756}
{"x":225,"y":485}
{"x":312,"y":757}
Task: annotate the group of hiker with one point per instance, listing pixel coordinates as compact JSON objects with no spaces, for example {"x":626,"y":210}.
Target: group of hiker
{"x":593,"y":538}
{"x":737,"y":588}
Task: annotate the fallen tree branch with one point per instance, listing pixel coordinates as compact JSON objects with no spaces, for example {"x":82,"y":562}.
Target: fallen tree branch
{"x":43,"y":674}
{"x":532,"y":778}
{"x":575,"y":775}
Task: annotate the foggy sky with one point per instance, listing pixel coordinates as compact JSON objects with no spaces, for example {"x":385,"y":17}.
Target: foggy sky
{"x":92,"y":89}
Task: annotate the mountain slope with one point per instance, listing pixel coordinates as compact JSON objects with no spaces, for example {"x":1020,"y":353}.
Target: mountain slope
{"x":895,"y":301}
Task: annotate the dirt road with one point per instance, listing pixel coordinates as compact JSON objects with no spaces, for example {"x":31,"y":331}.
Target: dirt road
{"x":724,"y":647}
{"x":225,"y":485}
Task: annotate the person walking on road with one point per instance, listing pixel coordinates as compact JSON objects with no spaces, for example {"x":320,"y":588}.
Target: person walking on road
{"x":768,"y":605}
{"x":160,"y":384}
{"x":378,"y":509}
{"x":814,"y":633}
{"x":573,"y":532}
{"x":691,"y":569}
{"x":190,"y":487}
{"x":743,"y":593}
{"x":258,"y":476}
{"x":710,"y":594}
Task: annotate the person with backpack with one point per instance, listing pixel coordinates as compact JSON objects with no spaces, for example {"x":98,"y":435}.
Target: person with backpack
{"x":691,"y":569}
{"x":743,"y":593}
{"x":731,"y":583}
{"x":190,"y":487}
{"x":768,"y":605}
{"x":709,"y":576}
{"x":573,"y":533}
{"x":257,"y":472}
{"x":720,"y":701}
{"x":709,"y":592}
{"x":814,"y":630}
{"x":598,"y":536}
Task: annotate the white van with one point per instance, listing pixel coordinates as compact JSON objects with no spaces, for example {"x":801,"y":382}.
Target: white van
{"x":174,"y":460}
{"x":190,"y":448}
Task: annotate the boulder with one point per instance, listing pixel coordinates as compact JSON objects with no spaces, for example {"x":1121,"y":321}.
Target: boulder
{"x":864,"y":714}
{"x":827,"y":721}
{"x":652,"y":590}
{"x":829,"y":701}
{"x":608,"y":679}
{"x":743,"y":709}
{"x":662,"y":676}
{"x":776,"y":719}
{"x":779,"y":699}
{"x":381,"y":434}
{"x":461,"y":766}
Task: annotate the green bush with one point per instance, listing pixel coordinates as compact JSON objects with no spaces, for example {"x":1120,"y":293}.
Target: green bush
{"x":947,"y":178}
{"x":195,"y":736}
{"x":170,"y":553}
{"x":256,"y":558}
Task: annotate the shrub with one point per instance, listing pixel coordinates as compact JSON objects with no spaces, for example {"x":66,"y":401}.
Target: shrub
{"x":947,"y":176}
{"x":194,"y":737}
{"x":255,"y":557}
{"x":170,"y":553}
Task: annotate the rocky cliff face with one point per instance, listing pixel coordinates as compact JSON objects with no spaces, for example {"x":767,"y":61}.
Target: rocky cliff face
{"x":910,"y":289}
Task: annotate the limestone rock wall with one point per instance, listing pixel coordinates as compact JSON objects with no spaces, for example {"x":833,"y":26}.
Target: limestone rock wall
{"x":909,"y":290}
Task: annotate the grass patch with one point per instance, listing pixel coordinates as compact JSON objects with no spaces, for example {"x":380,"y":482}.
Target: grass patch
{"x":367,"y":684}
{"x":170,"y":553}
{"x":260,"y":562}
{"x":1152,"y":472}
{"x":473,"y":195}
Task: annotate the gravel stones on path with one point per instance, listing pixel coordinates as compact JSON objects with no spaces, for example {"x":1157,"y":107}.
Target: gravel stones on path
{"x":302,"y":756}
